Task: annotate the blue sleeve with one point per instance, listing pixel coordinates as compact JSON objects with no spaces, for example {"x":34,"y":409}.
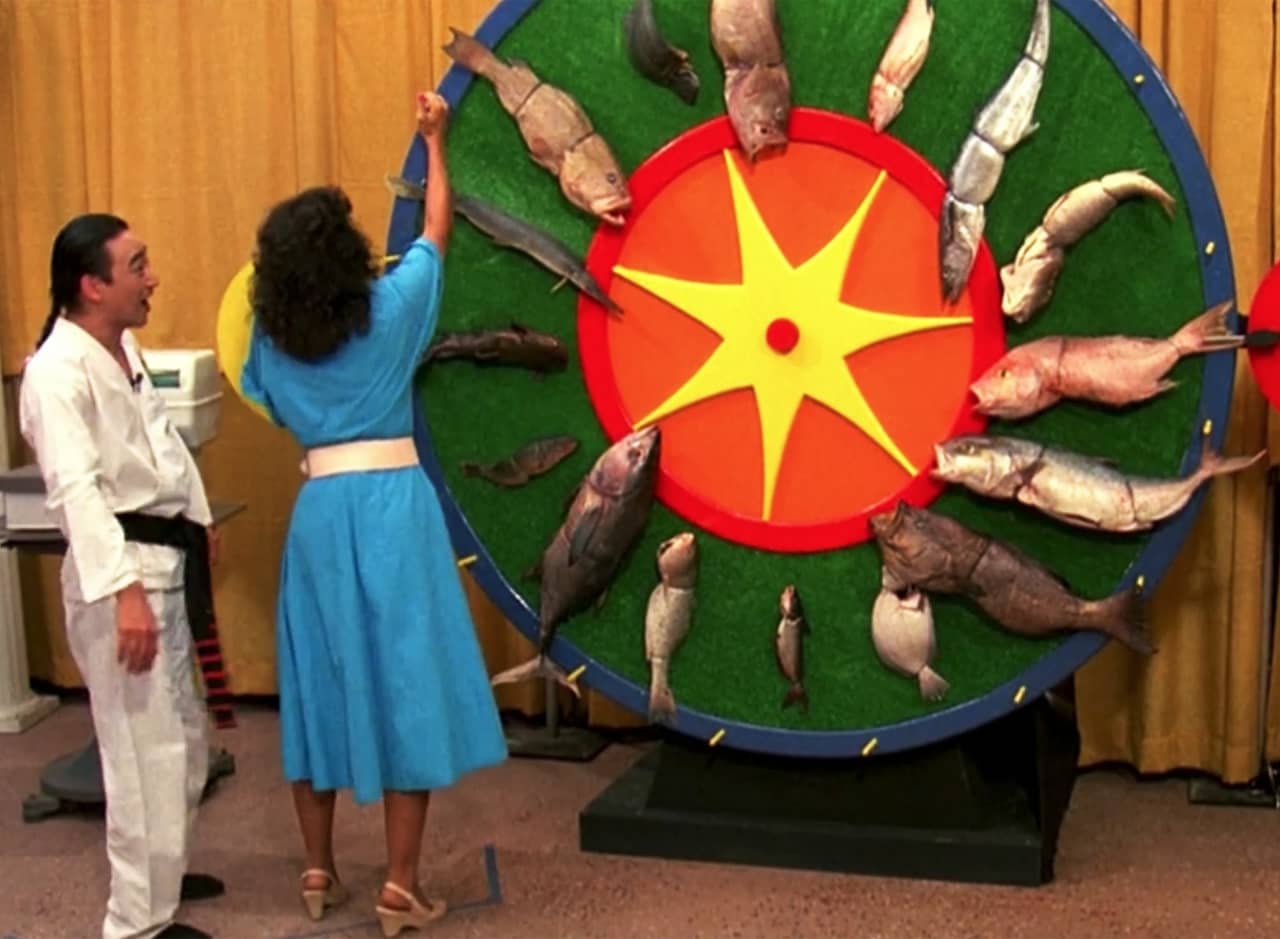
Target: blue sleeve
{"x":251,"y":385}
{"x":413,"y":290}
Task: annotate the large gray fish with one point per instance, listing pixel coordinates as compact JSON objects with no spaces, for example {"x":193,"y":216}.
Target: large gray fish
{"x":507,"y":231}
{"x":1028,"y":280}
{"x":903,"y":636}
{"x":788,"y":646}
{"x":605,"y":519}
{"x":555,"y":128}
{"x":667,"y":618}
{"x":1070,"y":487}
{"x":1005,"y":121}
{"x":747,"y":38}
{"x":937,"y":554}
{"x":533,"y":459}
{"x":513,"y":345}
{"x":654,"y":57}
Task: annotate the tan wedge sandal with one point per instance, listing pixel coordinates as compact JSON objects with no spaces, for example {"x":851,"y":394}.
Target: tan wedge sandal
{"x":317,"y":901}
{"x":416,"y":917}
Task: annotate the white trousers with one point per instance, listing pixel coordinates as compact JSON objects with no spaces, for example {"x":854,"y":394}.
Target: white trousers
{"x":153,"y":740}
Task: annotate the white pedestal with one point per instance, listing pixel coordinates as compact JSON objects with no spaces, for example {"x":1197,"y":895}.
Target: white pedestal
{"x":19,"y":707}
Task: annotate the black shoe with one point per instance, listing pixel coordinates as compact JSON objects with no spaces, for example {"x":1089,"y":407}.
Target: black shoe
{"x":201,"y":887}
{"x":182,"y":931}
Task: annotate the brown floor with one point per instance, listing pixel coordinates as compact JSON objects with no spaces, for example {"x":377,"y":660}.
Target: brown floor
{"x":1135,"y":859}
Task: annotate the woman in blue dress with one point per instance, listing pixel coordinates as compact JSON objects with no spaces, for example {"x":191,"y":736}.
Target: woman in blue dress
{"x":383,"y":688}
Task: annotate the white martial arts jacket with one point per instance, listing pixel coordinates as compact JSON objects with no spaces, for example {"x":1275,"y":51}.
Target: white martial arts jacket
{"x":106,"y":445}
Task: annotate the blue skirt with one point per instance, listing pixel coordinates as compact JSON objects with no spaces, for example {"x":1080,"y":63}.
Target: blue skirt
{"x":381,"y":678}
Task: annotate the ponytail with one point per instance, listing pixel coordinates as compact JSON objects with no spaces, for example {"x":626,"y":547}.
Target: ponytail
{"x":80,"y":248}
{"x":48,"y":324}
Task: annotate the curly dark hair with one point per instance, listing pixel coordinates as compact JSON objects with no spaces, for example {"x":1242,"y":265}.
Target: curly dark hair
{"x":312,"y":273}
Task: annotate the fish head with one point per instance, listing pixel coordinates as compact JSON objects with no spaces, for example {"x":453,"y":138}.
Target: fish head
{"x":884,"y":102}
{"x":789,"y":603}
{"x":592,"y":180}
{"x":1011,"y":387}
{"x":960,"y":231}
{"x":628,"y":465}
{"x":684,"y":81}
{"x":759,"y":106}
{"x":982,"y":463}
{"x":913,"y":544}
{"x":678,"y":560}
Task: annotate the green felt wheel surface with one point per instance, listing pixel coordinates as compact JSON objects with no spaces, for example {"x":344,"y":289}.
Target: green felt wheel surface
{"x":1136,"y":274}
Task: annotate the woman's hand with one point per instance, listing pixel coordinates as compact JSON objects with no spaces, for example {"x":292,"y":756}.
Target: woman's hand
{"x":433,"y":112}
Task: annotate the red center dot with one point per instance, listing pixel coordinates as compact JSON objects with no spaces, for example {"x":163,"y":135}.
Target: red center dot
{"x":782,"y":335}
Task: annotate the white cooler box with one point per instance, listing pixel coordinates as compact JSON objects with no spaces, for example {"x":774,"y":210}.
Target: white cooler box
{"x":22,"y":500}
{"x":189,"y":382}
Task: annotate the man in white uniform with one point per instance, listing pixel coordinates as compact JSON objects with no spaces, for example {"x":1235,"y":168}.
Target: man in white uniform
{"x":108,"y":455}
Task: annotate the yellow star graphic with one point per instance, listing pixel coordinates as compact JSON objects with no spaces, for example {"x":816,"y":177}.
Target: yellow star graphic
{"x":808,"y":296}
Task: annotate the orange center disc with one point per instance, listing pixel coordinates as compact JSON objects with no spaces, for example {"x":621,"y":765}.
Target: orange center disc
{"x":783,"y":323}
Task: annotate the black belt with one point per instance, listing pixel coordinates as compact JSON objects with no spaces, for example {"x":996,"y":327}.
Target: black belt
{"x":192,"y":539}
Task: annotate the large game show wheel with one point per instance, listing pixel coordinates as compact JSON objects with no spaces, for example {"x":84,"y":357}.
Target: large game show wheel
{"x":773,"y":463}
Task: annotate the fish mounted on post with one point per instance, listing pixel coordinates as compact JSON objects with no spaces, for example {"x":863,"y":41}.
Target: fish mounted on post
{"x":1075,"y":489}
{"x":667,"y":618}
{"x":605,"y":519}
{"x":788,"y":646}
{"x":555,"y":128}
{"x":1029,"y":279}
{"x":655,"y":58}
{"x":903,"y":635}
{"x":747,"y":38}
{"x":513,"y":345}
{"x":937,"y":554}
{"x":533,"y":459}
{"x":1110,"y":370}
{"x":902,"y":60}
{"x":1005,"y":121}
{"x":507,"y":231}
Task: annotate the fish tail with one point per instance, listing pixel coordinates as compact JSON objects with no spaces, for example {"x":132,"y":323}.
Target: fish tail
{"x":468,"y":52}
{"x":537,"y":667}
{"x":662,"y":702}
{"x":1123,"y":616}
{"x":470,"y":469}
{"x":1213,"y":463}
{"x":797,"y":695}
{"x":932,"y":685}
{"x":1207,"y":332}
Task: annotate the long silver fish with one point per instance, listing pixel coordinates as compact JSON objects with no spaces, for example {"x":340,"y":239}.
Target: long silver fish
{"x":1005,"y":121}
{"x":667,"y":618}
{"x":1075,"y":489}
{"x":903,"y":635}
{"x":654,"y":57}
{"x":507,"y":231}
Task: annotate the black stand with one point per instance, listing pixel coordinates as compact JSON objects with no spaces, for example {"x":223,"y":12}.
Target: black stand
{"x":74,"y":781}
{"x":985,"y":807}
{"x":551,"y":741}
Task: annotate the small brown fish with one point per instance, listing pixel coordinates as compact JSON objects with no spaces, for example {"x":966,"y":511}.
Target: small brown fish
{"x":514,"y":345}
{"x":747,"y":39}
{"x":1072,"y":488}
{"x":667,"y":619}
{"x":605,"y":519}
{"x":558,"y":133}
{"x":1112,"y":370}
{"x":533,"y":459}
{"x":902,"y":60}
{"x":1029,"y":279}
{"x":655,"y":58}
{"x":934,"y":553}
{"x":788,"y":646}
{"x":903,"y":635}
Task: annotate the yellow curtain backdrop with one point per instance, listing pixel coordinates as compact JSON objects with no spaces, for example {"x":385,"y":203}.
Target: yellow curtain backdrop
{"x":191,"y":117}
{"x":1198,"y":702}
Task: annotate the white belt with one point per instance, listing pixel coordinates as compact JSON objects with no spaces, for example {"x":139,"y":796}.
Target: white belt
{"x":357,"y":455}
